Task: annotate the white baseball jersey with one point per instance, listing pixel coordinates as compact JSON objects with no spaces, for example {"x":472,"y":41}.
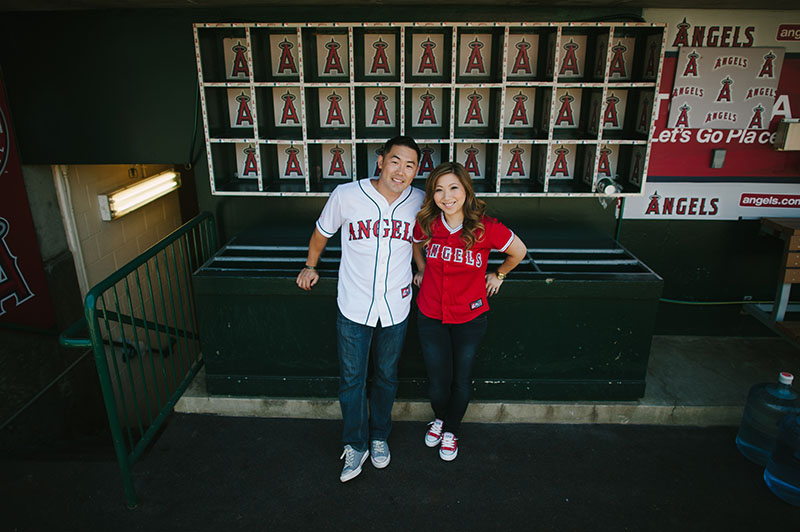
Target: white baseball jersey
{"x":375,"y":272}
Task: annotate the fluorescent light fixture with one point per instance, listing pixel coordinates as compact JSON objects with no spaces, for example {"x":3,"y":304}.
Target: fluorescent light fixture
{"x":124,"y":200}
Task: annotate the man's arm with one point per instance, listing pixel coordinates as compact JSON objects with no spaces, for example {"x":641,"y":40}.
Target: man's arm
{"x":308,"y":277}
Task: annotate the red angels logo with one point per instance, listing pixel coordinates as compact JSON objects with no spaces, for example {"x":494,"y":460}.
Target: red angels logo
{"x":683,"y":117}
{"x":618,"y":61}
{"x":723,"y":36}
{"x":292,"y":163}
{"x":12,"y":282}
{"x":334,"y":110}
{"x":682,"y":206}
{"x":636,"y":169}
{"x":516,"y":165}
{"x":561,"y":166}
{"x":239,"y":60}
{"x":766,"y":68}
{"x":332,"y":61}
{"x":471,"y":164}
{"x":286,"y":61}
{"x":520,"y":113}
{"x":725,"y":91}
{"x":610,"y":117}
{"x":522,"y":63}
{"x":427,"y":112}
{"x":243,"y":114}
{"x":756,"y":92}
{"x":691,"y":65}
{"x":603,"y":165}
{"x":380,"y":114}
{"x":337,"y":164}
{"x":726,"y":116}
{"x":565,"y":113}
{"x":289,"y":113}
{"x":755,"y":120}
{"x":570,"y":63}
{"x":425,"y":161}
{"x":380,"y":61}
{"x":5,"y":143}
{"x":730,"y":61}
{"x":687,"y":91}
{"x":682,"y":37}
{"x":652,"y":60}
{"x":428,"y":60}
{"x":644,"y":118}
{"x":250,"y":163}
{"x":474,"y":109}
{"x":475,"y":60}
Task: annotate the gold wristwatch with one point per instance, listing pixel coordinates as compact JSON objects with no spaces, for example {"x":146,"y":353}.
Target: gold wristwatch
{"x":500,"y":275}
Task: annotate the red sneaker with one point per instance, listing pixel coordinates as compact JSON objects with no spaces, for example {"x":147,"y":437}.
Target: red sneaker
{"x":434,"y":434}
{"x":449,"y":449}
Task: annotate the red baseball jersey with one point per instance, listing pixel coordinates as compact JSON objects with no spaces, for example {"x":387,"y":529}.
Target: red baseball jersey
{"x":454,"y":285}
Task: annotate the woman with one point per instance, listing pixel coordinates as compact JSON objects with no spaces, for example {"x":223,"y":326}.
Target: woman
{"x":454,"y":286}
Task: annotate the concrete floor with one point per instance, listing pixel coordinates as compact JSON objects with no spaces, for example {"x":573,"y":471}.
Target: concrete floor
{"x":600,"y":467}
{"x":691,"y":380}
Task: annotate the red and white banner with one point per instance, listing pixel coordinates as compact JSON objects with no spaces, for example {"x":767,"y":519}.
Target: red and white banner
{"x":24,"y":298}
{"x":714,"y":201}
{"x":755,"y":179}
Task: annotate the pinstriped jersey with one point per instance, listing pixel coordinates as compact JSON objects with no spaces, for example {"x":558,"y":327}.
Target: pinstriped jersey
{"x":375,"y":272}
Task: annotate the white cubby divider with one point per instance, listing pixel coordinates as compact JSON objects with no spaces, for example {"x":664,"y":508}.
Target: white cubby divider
{"x":506,"y":104}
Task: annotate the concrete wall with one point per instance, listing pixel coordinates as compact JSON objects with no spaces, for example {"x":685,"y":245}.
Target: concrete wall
{"x":107,"y":246}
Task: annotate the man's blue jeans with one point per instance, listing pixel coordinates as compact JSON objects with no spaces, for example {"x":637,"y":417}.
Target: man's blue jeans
{"x":354,"y":339}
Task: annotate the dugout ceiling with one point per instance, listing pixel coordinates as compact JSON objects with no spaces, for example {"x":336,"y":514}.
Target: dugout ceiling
{"x":56,"y":5}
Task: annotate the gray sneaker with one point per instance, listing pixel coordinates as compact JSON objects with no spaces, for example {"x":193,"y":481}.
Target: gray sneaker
{"x":353,"y":460}
{"x":379,"y":453}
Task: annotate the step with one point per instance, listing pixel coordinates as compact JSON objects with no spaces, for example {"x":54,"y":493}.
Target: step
{"x":197,"y":401}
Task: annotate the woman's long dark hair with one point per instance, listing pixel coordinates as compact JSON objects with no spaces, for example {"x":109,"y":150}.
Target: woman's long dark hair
{"x":474,"y":208}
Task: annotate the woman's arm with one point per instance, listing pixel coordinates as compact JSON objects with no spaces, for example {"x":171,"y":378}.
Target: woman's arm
{"x":515,"y":253}
{"x":419,"y":260}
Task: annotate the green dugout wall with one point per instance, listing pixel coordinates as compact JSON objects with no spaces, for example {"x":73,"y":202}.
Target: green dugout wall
{"x":120,"y":87}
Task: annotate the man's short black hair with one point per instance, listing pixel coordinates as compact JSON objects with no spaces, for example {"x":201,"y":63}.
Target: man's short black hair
{"x":402,"y":140}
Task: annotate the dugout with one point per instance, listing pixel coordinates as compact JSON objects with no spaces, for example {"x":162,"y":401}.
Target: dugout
{"x":88,"y":87}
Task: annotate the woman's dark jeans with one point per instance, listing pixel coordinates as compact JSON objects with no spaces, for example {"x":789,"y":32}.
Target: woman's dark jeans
{"x":449,"y":351}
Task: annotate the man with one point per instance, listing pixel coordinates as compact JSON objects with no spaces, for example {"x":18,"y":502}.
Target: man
{"x":376,"y":217}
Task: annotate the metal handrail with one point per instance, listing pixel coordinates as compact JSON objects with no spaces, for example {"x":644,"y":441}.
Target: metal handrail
{"x":129,"y":331}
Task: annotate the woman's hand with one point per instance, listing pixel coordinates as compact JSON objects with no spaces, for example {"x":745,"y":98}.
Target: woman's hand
{"x":418,"y":279}
{"x":492,"y":284}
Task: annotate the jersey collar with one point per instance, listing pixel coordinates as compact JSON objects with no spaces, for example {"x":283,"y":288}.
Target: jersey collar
{"x":369,"y":189}
{"x":451,"y":229}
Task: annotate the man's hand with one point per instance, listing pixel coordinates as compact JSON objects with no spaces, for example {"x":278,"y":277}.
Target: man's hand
{"x":307,"y":278}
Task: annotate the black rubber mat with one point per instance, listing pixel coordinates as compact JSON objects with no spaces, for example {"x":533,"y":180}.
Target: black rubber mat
{"x":216,"y":473}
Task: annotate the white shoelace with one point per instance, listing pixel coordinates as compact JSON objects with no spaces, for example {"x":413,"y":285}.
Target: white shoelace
{"x":436,"y":426}
{"x":379,"y":447}
{"x":349,"y":455}
{"x":449,"y":440}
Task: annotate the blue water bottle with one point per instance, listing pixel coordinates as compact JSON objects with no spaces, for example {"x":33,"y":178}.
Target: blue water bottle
{"x":766,"y":406}
{"x":782,"y":474}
